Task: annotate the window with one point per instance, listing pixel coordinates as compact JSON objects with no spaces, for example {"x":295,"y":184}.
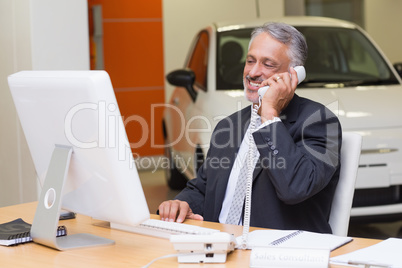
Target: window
{"x":338,"y":55}
{"x":231,"y":56}
{"x":350,"y":10}
{"x":199,"y":60}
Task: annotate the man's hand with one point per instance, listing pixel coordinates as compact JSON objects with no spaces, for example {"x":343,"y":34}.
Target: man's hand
{"x":280,"y":92}
{"x":176,"y":210}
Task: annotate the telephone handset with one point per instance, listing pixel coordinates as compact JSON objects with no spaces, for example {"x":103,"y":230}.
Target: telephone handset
{"x":301,"y":74}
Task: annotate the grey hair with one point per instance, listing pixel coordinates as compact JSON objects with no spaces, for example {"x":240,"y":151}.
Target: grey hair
{"x":288,"y":35}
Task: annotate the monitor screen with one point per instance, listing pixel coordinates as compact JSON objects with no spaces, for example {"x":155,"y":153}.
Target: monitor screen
{"x":78,"y":110}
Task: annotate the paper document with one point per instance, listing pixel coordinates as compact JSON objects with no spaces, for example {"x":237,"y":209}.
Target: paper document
{"x":387,"y":253}
{"x":294,"y":239}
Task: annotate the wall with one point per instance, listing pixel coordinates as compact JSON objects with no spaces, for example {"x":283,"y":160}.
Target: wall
{"x":382,"y":21}
{"x":15,"y":162}
{"x":33,"y":35}
{"x":133,"y":57}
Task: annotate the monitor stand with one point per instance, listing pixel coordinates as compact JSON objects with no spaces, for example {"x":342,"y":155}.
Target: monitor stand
{"x":46,"y":220}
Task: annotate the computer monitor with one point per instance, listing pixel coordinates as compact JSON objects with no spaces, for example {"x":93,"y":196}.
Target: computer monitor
{"x":80,"y":150}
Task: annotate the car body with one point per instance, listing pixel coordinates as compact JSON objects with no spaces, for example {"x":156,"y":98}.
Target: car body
{"x":346,"y":71}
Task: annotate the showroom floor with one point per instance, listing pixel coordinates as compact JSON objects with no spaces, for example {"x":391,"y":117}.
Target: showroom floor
{"x":156,"y":191}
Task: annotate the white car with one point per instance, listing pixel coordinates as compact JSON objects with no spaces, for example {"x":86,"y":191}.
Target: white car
{"x":346,"y":71}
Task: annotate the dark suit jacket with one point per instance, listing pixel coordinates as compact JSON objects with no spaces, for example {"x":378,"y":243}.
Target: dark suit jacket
{"x":295,"y":176}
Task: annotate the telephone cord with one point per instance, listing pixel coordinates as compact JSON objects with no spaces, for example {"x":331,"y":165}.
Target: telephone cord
{"x":160,"y":258}
{"x":250,"y":170}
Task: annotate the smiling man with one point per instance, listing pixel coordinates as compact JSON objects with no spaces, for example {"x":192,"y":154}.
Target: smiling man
{"x":295,"y":144}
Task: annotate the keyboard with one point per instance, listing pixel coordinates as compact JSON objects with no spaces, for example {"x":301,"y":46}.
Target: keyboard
{"x":164,"y":229}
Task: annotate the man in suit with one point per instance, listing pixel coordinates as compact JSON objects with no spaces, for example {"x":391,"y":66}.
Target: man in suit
{"x":297,"y":156}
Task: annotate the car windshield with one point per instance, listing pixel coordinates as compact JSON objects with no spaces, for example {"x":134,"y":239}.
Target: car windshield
{"x":337,"y":57}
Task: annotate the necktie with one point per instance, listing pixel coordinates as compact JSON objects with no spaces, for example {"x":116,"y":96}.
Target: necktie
{"x":236,"y":207}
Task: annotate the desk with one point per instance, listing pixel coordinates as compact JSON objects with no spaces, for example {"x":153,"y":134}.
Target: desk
{"x":130,"y":250}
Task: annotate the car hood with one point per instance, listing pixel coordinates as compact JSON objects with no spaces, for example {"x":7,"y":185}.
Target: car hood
{"x":220,"y":104}
{"x":358,"y":108}
{"x":361,"y":108}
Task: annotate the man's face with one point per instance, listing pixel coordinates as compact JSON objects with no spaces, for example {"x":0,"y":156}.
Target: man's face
{"x":266,"y":57}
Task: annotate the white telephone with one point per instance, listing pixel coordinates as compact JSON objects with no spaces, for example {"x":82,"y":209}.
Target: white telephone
{"x":301,"y":74}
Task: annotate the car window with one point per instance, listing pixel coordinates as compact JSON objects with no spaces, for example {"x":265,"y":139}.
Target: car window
{"x":336,"y":56}
{"x":231,"y":55}
{"x":199,"y":60}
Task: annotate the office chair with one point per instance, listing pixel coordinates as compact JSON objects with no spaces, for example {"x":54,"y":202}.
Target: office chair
{"x":342,"y":203}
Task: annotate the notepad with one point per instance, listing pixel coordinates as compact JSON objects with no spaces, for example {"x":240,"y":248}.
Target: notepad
{"x":294,"y":239}
{"x":387,"y":253}
{"x":18,"y":232}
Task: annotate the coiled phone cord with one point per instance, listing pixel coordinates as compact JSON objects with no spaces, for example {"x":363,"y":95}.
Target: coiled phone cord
{"x":250,"y":170}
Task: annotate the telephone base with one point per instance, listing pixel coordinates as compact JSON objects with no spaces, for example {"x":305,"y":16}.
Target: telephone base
{"x":203,"y":248}
{"x":202,"y":257}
